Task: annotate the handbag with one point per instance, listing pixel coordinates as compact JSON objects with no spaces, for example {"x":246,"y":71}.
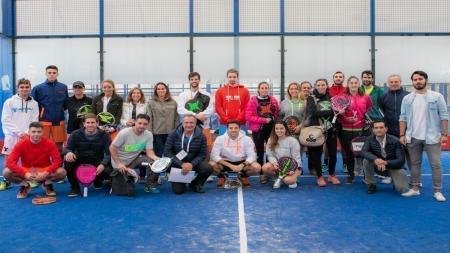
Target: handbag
{"x":312,"y":136}
{"x":122,"y":184}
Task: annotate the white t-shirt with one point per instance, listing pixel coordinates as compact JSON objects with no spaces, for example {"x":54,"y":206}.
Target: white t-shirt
{"x":419,"y":117}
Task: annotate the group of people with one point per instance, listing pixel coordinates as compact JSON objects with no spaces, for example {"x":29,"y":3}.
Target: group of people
{"x":179,"y":128}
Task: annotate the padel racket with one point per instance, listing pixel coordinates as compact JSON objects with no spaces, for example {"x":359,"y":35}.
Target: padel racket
{"x":339,"y":103}
{"x":232,"y":183}
{"x":85,"y":109}
{"x":86,"y":174}
{"x":161,"y":165}
{"x":292,"y":122}
{"x":286,"y":167}
{"x":106,"y":119}
{"x":43,"y":200}
{"x":374,"y":114}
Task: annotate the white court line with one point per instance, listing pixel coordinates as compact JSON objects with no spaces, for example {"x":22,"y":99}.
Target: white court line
{"x":242,"y":227}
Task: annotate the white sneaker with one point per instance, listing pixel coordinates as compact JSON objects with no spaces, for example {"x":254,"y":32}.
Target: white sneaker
{"x":277,"y":184}
{"x":210,"y":179}
{"x":439,"y":197}
{"x":411,"y":193}
{"x":293,"y":186}
{"x":386,"y":180}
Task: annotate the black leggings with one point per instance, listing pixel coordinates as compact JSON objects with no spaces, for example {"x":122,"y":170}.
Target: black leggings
{"x":315,"y":155}
{"x":349,"y":158}
{"x":259,"y":138}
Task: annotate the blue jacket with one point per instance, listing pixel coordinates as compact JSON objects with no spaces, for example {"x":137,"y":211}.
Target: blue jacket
{"x":197,"y":147}
{"x":390,"y":103}
{"x":50,"y":97}
{"x":436,"y":112}
{"x":395,"y":155}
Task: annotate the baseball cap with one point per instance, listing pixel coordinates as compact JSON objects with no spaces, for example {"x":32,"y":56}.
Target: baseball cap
{"x":78,"y":84}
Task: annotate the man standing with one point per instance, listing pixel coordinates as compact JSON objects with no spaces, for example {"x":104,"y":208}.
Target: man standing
{"x":186,"y":146}
{"x":385,"y":153}
{"x":50,"y":96}
{"x":370,"y":89}
{"x":231,"y":101}
{"x":234,"y":152}
{"x":337,"y":88}
{"x":424,"y":126}
{"x":197,"y":103}
{"x":127,"y":147}
{"x":87,"y":145}
{"x":74,"y":103}
{"x":390,"y":103}
{"x":34,"y":159}
{"x":17,"y":114}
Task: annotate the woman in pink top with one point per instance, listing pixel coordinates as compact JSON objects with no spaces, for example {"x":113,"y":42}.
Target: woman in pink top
{"x":353,"y":122}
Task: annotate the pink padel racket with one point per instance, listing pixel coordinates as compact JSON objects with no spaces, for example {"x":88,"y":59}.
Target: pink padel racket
{"x":86,"y":174}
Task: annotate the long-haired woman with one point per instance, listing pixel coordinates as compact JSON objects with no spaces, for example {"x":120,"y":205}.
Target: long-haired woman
{"x":282,"y":145}
{"x":162,"y":110}
{"x":134,"y":106}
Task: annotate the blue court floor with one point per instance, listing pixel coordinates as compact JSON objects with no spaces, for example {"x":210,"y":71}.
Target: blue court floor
{"x":257,"y":219}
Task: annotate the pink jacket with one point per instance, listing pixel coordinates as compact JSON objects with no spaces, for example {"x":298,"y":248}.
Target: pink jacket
{"x":354,"y":116}
{"x":254,"y":121}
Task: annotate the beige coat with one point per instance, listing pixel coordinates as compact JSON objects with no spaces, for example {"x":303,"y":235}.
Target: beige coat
{"x":163,"y":116}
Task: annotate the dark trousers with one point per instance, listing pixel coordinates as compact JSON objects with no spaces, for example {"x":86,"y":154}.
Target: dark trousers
{"x":152,"y":177}
{"x":203,"y":170}
{"x":315,"y":155}
{"x":159,"y":140}
{"x":71,"y":168}
{"x":349,"y":158}
{"x":259,"y":138}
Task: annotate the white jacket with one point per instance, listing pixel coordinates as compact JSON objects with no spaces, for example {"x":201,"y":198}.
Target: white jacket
{"x":242,"y":148}
{"x":17,"y":115}
{"x":187,"y":95}
{"x":128,"y":110}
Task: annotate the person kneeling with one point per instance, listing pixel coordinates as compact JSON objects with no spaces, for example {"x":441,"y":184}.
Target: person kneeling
{"x":34,"y":159}
{"x":88,"y":145}
{"x":384,"y":153}
{"x":187,"y":148}
{"x":234,"y":152}
{"x":281,"y":145}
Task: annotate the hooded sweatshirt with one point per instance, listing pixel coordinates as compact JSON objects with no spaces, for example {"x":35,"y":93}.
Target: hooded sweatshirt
{"x":231,"y":102}
{"x":17,"y":115}
{"x":240,"y":149}
{"x":356,"y":110}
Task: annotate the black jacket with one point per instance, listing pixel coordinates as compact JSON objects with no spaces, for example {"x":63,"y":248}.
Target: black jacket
{"x":94,"y":149}
{"x":390,"y":103}
{"x":114,"y":107}
{"x":319,"y":109}
{"x":197,"y":147}
{"x":395,"y":155}
{"x":73,"y":104}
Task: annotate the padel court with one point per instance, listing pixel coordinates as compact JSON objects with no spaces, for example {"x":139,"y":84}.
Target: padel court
{"x":257,"y":219}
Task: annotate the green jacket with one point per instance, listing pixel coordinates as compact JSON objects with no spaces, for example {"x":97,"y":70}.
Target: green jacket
{"x":375,"y":94}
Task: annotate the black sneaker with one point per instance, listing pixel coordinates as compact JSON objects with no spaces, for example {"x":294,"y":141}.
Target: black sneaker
{"x":197,"y":188}
{"x":371,"y":188}
{"x":48,"y":188}
{"x":73,"y":193}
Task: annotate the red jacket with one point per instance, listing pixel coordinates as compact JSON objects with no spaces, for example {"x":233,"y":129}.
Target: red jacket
{"x":41,"y":155}
{"x":336,"y":90}
{"x":231,"y":102}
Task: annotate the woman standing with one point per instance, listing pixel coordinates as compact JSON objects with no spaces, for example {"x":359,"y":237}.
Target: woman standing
{"x":292,"y":109}
{"x":262,"y":110}
{"x":134,"y":106}
{"x":108,"y":101}
{"x":162,"y":110}
{"x":353,"y":121}
{"x":282,"y":145}
{"x":319,"y":112}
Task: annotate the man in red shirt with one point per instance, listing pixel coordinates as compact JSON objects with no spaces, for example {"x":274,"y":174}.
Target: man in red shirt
{"x":337,"y":88}
{"x":39,"y":162}
{"x":231,"y":101}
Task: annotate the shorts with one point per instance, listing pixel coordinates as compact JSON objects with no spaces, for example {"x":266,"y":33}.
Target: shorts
{"x":54,"y":133}
{"x":38,"y":170}
{"x":9,"y":143}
